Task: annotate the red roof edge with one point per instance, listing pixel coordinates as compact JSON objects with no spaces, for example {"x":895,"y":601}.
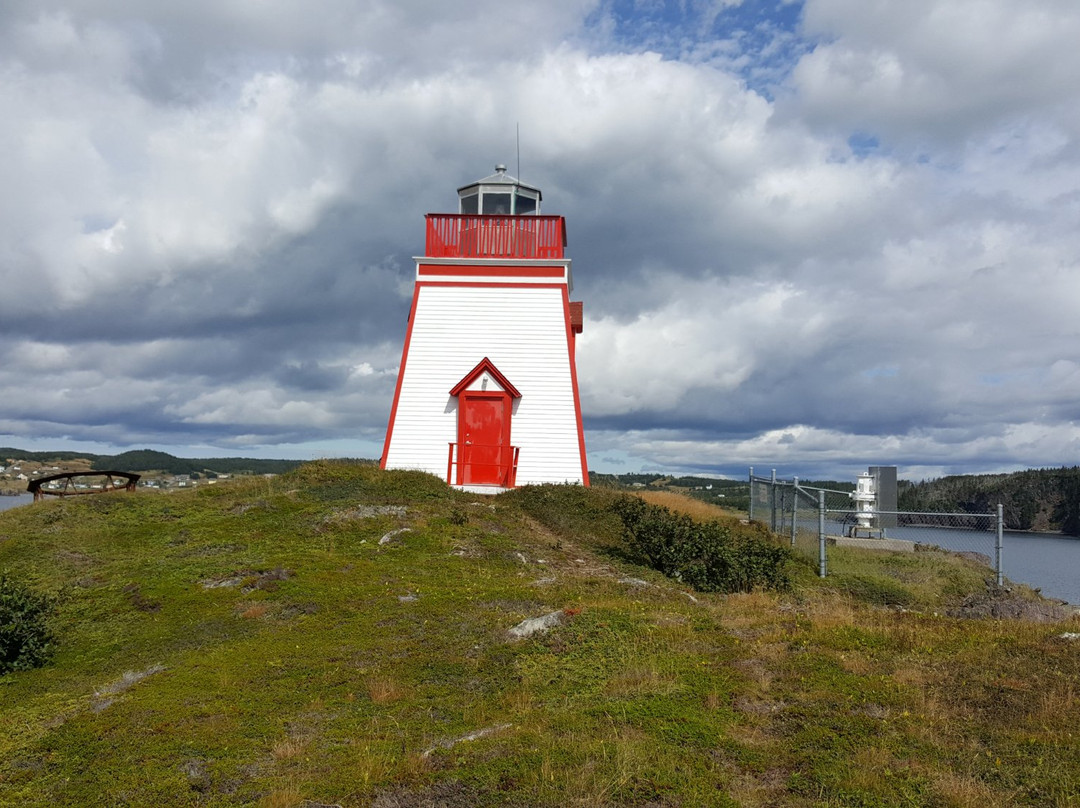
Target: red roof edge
{"x":486,"y":365}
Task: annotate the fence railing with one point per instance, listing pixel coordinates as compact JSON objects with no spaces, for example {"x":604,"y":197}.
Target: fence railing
{"x":816,"y":518}
{"x":486,"y":464}
{"x":453,"y":235}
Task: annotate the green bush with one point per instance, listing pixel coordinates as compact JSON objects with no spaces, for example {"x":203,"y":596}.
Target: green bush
{"x":25,"y":640}
{"x":709,"y":556}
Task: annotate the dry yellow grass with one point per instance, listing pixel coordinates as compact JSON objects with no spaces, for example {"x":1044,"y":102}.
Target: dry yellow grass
{"x":287,"y":797}
{"x":383,"y":689}
{"x":964,"y":791}
{"x":694,"y":508}
{"x":636,"y":681}
{"x":255,"y":611}
{"x":288,"y":748}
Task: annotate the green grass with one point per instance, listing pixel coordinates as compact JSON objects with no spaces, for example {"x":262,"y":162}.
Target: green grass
{"x":345,"y":671}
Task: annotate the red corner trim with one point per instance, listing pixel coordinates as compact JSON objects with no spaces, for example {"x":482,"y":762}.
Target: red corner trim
{"x":400,"y":378}
{"x":574,"y":382}
{"x":488,"y":366}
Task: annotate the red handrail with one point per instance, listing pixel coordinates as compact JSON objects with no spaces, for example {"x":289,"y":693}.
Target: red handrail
{"x":508,"y":471}
{"x":458,"y":235}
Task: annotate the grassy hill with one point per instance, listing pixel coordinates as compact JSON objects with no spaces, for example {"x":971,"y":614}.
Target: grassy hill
{"x":341,"y":635}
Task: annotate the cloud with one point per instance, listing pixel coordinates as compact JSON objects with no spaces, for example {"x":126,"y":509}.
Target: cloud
{"x":820,"y":235}
{"x":933,"y":72}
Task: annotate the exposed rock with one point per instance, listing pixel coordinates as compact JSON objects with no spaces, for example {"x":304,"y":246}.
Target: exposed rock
{"x":389,"y":537}
{"x":472,"y":736}
{"x":220,"y":583}
{"x":1002,"y":603}
{"x":366,"y":512}
{"x":104,"y":697}
{"x":535,"y":625}
{"x":251,"y":579}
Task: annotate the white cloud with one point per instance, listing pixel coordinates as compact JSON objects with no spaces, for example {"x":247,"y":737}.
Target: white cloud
{"x":929,"y":69}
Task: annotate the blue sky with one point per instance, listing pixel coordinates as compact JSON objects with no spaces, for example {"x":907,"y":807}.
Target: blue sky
{"x":809,"y":236}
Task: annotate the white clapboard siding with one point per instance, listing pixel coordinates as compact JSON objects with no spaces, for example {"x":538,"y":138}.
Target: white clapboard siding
{"x":522,"y":330}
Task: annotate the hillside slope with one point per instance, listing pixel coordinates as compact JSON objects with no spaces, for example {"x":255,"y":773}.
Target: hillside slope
{"x":342,"y":636}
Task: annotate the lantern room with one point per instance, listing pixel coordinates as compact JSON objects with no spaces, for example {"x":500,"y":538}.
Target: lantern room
{"x":499,"y":195}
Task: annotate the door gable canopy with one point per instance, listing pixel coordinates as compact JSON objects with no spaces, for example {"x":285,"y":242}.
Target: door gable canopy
{"x":486,"y":366}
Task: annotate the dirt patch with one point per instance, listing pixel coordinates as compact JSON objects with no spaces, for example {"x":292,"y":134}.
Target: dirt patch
{"x":1004,"y":603}
{"x":451,"y":794}
{"x":243,"y":507}
{"x":249,"y":580}
{"x":751,"y":706}
{"x":341,"y":515}
{"x":139,"y":600}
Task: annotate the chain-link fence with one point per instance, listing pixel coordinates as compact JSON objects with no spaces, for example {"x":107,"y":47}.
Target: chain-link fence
{"x":815,"y":519}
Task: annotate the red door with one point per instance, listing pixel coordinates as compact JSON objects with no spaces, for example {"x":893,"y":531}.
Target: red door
{"x":483,"y":439}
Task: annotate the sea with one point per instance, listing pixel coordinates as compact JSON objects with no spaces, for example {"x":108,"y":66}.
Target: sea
{"x":1049,"y":562}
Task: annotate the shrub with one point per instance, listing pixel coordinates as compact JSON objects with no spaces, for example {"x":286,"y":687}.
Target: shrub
{"x":709,"y":556}
{"x":25,"y":640}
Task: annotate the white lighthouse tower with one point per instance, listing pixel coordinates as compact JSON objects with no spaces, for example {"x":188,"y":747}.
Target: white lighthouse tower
{"x":487,"y":392}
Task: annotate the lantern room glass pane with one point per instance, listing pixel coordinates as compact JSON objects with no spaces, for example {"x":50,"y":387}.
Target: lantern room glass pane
{"x":498,"y":204}
{"x":469,"y":204}
{"x":525,"y":206}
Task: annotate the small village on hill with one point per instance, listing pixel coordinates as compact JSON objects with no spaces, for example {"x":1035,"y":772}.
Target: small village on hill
{"x":158,"y":471}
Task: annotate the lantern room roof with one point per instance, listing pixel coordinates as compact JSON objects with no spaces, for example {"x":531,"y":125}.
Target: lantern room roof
{"x":500,"y":177}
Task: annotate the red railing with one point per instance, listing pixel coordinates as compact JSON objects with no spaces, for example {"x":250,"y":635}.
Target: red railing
{"x":454,"y":235}
{"x":503,"y":473}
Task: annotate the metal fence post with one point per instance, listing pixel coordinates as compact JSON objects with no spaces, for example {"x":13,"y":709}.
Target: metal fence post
{"x":794,"y":508}
{"x":998,"y":544}
{"x":821,"y":533}
{"x":750,"y":512}
{"x":772,"y":503}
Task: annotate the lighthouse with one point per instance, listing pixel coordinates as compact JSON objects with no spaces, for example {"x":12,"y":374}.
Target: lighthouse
{"x":487,"y":390}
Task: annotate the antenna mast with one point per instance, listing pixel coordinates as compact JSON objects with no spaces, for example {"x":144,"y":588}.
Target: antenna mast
{"x":517,"y":136}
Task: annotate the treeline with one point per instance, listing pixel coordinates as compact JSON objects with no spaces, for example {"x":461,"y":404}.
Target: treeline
{"x":149,"y":460}
{"x":1037,"y":499}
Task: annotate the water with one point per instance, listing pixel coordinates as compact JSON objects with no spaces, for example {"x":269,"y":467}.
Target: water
{"x":12,"y":502}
